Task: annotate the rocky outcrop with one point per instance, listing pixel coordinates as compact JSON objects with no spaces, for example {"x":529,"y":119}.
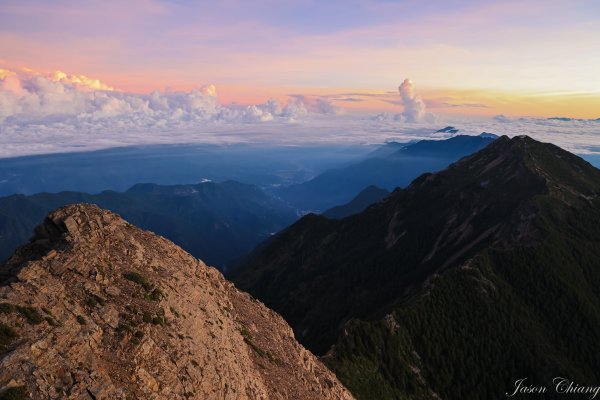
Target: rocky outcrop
{"x":95,"y":308}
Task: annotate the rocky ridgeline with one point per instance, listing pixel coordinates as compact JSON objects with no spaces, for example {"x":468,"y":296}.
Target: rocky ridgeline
{"x":95,"y":308}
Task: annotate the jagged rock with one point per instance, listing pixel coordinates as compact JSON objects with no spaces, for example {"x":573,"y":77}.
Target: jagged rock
{"x":94,"y":308}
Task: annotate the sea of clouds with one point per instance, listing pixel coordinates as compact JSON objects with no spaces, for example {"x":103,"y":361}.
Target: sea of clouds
{"x":53,"y":113}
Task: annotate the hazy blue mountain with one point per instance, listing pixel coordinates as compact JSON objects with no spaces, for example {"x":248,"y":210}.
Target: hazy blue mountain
{"x":388,"y":148}
{"x":455,"y":287}
{"x":386,"y":170}
{"x":217,"y":222}
{"x":488,"y":135}
{"x":593,"y":159}
{"x":448,"y":129}
{"x":120,"y":168}
{"x":364,"y":199}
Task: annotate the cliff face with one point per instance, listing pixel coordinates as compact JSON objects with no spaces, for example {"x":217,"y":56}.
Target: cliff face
{"x":96,"y":308}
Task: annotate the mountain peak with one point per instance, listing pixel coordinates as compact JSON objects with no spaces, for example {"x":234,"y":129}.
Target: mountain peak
{"x":96,"y":308}
{"x":496,"y":198}
{"x":78,"y":221}
{"x":463,"y":266}
{"x":522,"y":160}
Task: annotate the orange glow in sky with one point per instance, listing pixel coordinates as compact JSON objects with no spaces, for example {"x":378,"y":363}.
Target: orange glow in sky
{"x":527,"y":57}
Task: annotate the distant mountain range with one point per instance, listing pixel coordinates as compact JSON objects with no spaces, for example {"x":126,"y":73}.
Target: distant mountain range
{"x":455,"y":287}
{"x":370,"y":195}
{"x":448,"y":129}
{"x":221,"y":221}
{"x":120,"y":168}
{"x":217,"y":221}
{"x":393,"y":165}
{"x":593,"y":159}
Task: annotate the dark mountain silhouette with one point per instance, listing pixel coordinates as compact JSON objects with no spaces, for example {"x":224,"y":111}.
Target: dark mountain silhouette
{"x":455,"y":287}
{"x":364,"y":199}
{"x":218,"y":221}
{"x":387,"y":170}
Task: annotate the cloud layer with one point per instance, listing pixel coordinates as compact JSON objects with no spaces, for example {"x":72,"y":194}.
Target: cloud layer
{"x":82,"y":103}
{"x":414,"y":108}
{"x":63,"y":113}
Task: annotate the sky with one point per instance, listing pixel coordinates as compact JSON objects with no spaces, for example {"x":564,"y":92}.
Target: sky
{"x":514,"y":55}
{"x":176,"y":65}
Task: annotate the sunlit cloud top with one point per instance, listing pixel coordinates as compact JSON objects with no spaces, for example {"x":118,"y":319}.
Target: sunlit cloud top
{"x":59,"y":112}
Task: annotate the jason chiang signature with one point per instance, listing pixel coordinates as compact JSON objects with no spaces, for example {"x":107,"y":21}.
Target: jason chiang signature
{"x":559,"y":385}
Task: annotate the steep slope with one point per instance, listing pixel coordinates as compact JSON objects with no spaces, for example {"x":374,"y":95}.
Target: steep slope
{"x":457,"y":286}
{"x":95,"y":308}
{"x":385,"y":170}
{"x":364,"y":199}
{"x":217,"y":221}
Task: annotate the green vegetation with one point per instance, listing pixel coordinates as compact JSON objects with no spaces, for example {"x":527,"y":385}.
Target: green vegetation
{"x":93,"y":300}
{"x":152,"y":293}
{"x":477,"y":329}
{"x":458,"y":285}
{"x":155,"y":295}
{"x":6,"y":308}
{"x":81,"y":320}
{"x":159,"y":318}
{"x":139,"y":279}
{"x":147,"y":317}
{"x":49,"y":317}
{"x":15,"y":393}
{"x":250,"y":342}
{"x":7,"y":336}
{"x":124,"y":327}
{"x":137,"y":337}
{"x":131,"y":308}
{"x":31,"y":314}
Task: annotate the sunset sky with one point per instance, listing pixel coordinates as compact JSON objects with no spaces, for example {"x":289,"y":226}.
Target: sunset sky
{"x":535,"y":58}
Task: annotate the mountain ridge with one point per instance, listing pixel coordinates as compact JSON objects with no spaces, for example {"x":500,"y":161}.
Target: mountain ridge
{"x":96,"y":308}
{"x":500,"y":224}
{"x":218,"y":221}
{"x":393,"y":165}
{"x":371,"y":194}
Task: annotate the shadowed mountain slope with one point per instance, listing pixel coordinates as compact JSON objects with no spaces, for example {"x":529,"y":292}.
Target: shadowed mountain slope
{"x":216,"y":221}
{"x":386,"y":170}
{"x":458,"y":285}
{"x":364,"y":199}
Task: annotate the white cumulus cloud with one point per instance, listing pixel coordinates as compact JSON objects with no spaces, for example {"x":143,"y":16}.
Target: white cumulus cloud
{"x":414,"y":107}
{"x":51,"y":113}
{"x":81,"y":103}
